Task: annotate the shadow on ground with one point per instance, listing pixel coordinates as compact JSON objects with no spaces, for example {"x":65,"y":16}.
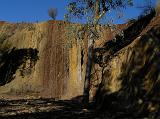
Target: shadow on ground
{"x":45,"y":109}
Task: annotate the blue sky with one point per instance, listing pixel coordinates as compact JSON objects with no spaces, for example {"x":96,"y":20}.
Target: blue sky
{"x":36,"y":10}
{"x":29,"y":10}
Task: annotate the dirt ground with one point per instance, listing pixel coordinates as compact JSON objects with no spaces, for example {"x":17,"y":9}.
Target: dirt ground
{"x":52,"y":109}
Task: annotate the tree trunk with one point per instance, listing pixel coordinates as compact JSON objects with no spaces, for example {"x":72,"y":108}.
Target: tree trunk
{"x":87,"y":76}
{"x":90,"y":57}
{"x":97,"y":10}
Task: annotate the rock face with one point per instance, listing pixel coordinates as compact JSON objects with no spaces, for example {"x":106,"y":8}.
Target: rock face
{"x":35,"y":61}
{"x":45,"y":60}
{"x":130,"y":81}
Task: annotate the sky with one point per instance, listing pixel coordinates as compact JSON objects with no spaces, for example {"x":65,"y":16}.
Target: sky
{"x":37,"y":10}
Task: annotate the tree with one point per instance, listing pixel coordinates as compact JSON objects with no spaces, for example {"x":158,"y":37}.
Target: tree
{"x":52,"y":12}
{"x":158,"y":8}
{"x":93,"y":11}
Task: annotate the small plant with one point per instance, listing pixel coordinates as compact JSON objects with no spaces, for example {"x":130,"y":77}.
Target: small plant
{"x":52,"y":12}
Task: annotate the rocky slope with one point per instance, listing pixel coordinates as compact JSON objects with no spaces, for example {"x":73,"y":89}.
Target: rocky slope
{"x":130,"y":82}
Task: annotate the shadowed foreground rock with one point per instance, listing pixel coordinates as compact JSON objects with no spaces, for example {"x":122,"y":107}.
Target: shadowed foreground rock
{"x":131,"y":75}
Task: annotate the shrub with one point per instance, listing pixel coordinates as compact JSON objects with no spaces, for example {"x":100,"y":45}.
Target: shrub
{"x":52,"y":12}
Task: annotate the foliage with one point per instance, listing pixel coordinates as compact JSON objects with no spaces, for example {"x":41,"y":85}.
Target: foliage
{"x":115,"y":45}
{"x":146,"y":11}
{"x":85,"y":9}
{"x":91,"y":11}
{"x":71,"y":33}
{"x":75,"y":33}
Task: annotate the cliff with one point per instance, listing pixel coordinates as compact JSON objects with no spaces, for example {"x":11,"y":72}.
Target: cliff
{"x":43,"y":60}
{"x":47,"y":75}
{"x":47,"y":60}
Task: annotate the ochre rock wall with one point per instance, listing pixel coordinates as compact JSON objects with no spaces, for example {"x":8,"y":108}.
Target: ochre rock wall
{"x":55,"y":74}
{"x":59,"y":71}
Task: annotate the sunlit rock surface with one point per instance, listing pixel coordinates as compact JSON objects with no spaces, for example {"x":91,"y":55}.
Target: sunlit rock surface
{"x":53,"y":61}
